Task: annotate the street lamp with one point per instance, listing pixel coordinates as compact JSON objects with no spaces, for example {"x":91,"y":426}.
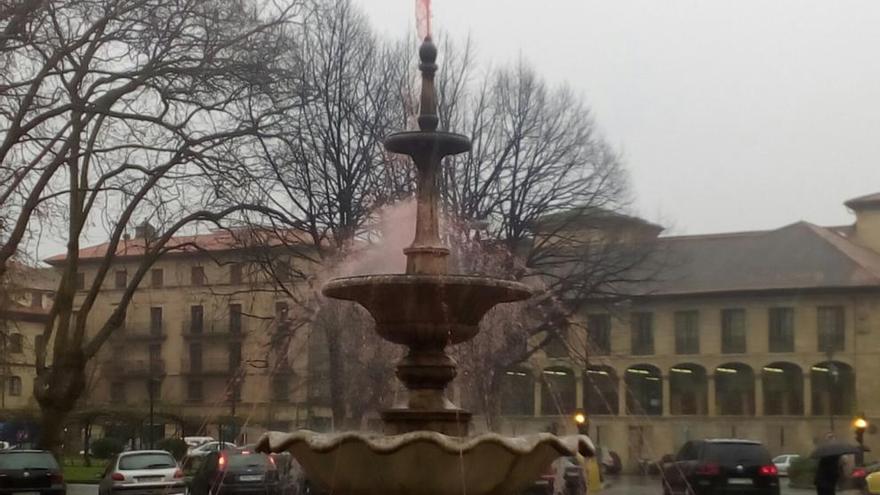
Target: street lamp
{"x":582,"y":423}
{"x":860,"y":424}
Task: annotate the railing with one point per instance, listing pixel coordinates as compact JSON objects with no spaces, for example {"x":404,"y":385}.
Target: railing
{"x":216,"y":367}
{"x":139,"y":333}
{"x":138,"y":368}
{"x":212,"y":330}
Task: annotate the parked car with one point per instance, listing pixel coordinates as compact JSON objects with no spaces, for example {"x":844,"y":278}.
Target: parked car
{"x":31,"y":472}
{"x":236,"y":472}
{"x":142,"y":472}
{"x":5,"y":445}
{"x":209,"y":448}
{"x":706,"y":467}
{"x":193,"y":442}
{"x":783,"y":462}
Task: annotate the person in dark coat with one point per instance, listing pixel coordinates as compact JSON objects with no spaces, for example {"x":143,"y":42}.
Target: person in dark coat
{"x":827,"y":475}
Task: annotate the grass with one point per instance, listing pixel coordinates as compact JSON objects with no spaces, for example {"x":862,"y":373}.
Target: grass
{"x":75,"y":471}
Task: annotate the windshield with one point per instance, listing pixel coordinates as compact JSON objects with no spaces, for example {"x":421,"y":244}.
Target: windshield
{"x":27,"y":460}
{"x":146,"y":461}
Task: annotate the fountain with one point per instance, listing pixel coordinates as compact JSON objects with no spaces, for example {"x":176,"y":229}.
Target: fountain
{"x":425,"y":448}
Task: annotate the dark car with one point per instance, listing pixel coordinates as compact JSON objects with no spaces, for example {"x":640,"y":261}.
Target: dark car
{"x":236,"y":472}
{"x":723,"y":466}
{"x":30,"y":472}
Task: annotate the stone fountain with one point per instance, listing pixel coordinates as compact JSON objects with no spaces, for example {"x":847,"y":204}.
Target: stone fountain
{"x":425,"y":448}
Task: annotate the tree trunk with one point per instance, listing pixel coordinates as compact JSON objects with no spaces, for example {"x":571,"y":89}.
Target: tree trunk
{"x":57,"y":389}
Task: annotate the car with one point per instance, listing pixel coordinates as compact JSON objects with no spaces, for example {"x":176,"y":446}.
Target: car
{"x":721,"y":466}
{"x":236,"y":472}
{"x":142,"y":472}
{"x":30,"y":471}
{"x":210,"y":447}
{"x":193,"y":442}
{"x":783,"y":462}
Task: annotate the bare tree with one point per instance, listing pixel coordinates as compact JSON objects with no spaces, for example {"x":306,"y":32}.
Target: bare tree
{"x":117,"y":111}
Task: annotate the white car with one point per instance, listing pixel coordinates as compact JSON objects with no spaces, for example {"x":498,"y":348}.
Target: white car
{"x":143,"y":472}
{"x":209,"y":448}
{"x":783,"y":462}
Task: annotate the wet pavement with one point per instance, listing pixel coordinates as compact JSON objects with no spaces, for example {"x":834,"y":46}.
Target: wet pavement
{"x":642,"y":485}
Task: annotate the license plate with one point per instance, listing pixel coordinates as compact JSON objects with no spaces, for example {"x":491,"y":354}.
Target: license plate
{"x":148,"y":479}
{"x":739,"y":481}
{"x":251,"y":477}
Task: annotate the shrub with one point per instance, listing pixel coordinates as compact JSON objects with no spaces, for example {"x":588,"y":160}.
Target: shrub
{"x":176,"y":446}
{"x":802,"y":471}
{"x":105,"y":448}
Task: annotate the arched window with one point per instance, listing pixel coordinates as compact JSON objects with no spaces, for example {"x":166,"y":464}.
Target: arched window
{"x":735,"y":389}
{"x":783,"y":385}
{"x":518,"y":392}
{"x":600,"y":390}
{"x":557,"y":391}
{"x":16,"y":343}
{"x":688,"y":389}
{"x":644,"y":390}
{"x":833,"y":388}
{"x":14,"y":386}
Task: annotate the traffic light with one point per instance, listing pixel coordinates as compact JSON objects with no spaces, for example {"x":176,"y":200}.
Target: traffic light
{"x":583,"y":424}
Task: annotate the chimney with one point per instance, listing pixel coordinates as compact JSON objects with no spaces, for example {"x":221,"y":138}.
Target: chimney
{"x":867,"y":227}
{"x":144,"y":231}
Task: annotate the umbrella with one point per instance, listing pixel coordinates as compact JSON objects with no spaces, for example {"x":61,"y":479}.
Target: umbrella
{"x":834,"y":448}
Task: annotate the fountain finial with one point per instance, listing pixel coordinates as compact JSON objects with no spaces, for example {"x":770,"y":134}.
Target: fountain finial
{"x":428,"y":119}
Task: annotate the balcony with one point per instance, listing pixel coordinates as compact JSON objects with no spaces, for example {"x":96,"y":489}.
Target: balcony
{"x":138,"y":368}
{"x":207,"y":367}
{"x":139,"y":333}
{"x":212,"y":331}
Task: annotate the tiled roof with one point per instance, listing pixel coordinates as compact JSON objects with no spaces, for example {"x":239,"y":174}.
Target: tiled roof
{"x":215,"y":241}
{"x":868,"y":200}
{"x":795,"y":257}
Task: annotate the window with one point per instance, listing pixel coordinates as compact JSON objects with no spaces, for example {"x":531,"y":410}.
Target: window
{"x":121,"y":279}
{"x":555,"y":346}
{"x":235,"y":319}
{"x":781,"y":331}
{"x":642,"y":334}
{"x":194,"y":390}
{"x":282,"y":271}
{"x":80,"y":281}
{"x":280,"y":388}
{"x":831,"y":328}
{"x":36,"y":299}
{"x":195,"y":357}
{"x":16,"y":343}
{"x":281,"y":310}
{"x":156,"y":320}
{"x":14,"y":386}
{"x":155,"y":356}
{"x":197,"y":275}
{"x":117,"y":392}
{"x":157,"y":277}
{"x":599,"y":331}
{"x":687,"y":332}
{"x":196,"y":319}
{"x":234,"y":357}
{"x":154,"y":388}
{"x":235,"y":273}
{"x":733,"y":331}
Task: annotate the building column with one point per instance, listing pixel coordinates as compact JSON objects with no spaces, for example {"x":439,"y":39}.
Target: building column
{"x":759,"y":394}
{"x":710,"y":395}
{"x":808,"y":394}
{"x":667,"y":396}
{"x":579,"y":391}
{"x":622,"y":392}
{"x":537,"y":392}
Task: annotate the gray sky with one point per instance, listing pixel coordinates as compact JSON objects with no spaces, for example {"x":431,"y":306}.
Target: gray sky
{"x":732,"y":115}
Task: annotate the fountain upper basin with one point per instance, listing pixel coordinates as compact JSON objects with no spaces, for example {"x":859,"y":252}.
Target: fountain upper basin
{"x":426,"y":310}
{"x":424,"y":462}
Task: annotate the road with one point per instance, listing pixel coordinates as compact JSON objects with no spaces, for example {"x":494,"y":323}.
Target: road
{"x":626,"y":485}
{"x":638,"y":485}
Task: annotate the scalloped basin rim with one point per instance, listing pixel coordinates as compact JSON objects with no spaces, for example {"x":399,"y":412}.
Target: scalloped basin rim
{"x":342,"y":283}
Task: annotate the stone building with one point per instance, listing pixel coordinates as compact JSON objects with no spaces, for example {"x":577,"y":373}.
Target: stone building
{"x":771,"y":335}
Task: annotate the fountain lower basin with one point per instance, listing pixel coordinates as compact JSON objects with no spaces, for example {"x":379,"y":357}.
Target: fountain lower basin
{"x":426,"y":310}
{"x":424,"y":462}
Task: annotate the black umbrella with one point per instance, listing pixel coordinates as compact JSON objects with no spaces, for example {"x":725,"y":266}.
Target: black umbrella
{"x":834,"y":448}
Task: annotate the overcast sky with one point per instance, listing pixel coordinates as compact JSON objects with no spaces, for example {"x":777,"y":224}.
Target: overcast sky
{"x":732,"y":115}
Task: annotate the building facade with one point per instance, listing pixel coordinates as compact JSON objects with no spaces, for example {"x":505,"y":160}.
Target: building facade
{"x":771,"y":335}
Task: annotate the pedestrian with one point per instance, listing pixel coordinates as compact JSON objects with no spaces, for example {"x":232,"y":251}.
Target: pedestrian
{"x":827,"y":475}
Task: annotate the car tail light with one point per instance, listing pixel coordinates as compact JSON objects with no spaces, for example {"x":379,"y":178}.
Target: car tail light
{"x":178,"y":473}
{"x":768,"y":470}
{"x":56,"y":478}
{"x":117,"y":477}
{"x":221,"y":462}
{"x":859,"y":473}
{"x":708,"y":469}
